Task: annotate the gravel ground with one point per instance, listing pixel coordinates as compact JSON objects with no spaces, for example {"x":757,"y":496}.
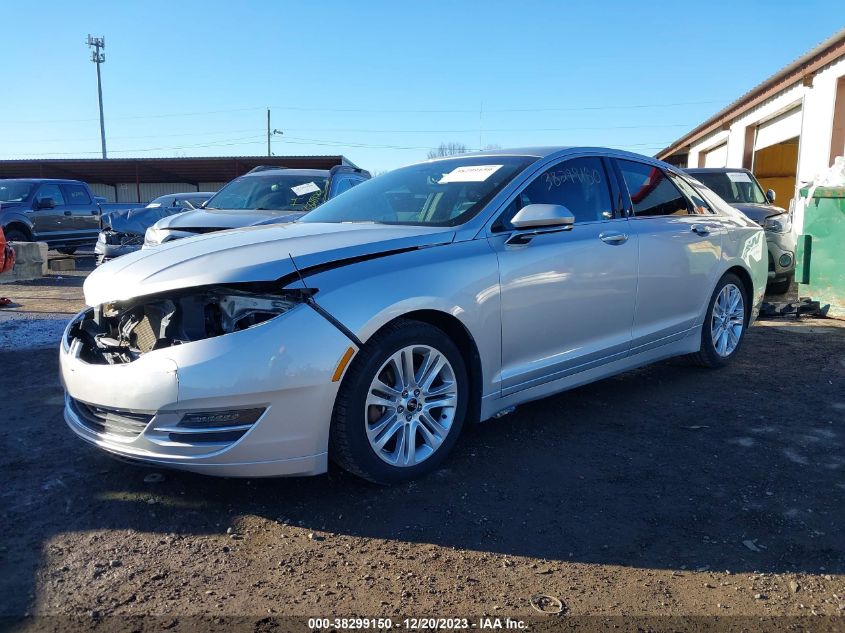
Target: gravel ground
{"x":667,"y":491}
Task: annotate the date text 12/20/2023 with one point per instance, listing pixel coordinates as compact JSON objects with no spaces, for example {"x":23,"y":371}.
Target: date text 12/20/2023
{"x":385,"y":624}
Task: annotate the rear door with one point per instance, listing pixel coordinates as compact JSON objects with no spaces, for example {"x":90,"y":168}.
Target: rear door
{"x":84,"y":211}
{"x":54,"y":223}
{"x":567,"y":296}
{"x":680,"y":245}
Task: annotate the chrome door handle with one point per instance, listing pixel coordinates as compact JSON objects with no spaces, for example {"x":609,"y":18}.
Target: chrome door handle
{"x":701,"y":229}
{"x":613,"y":238}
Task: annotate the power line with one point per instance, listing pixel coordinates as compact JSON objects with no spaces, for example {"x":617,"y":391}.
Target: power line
{"x":382,"y":110}
{"x":247,"y":140}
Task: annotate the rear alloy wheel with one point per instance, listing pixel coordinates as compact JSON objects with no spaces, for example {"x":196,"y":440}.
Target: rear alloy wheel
{"x":402,"y":404}
{"x":724,"y":328}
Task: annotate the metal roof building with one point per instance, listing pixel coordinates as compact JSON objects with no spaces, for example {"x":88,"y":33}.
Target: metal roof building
{"x":787,"y":129}
{"x":142,"y":179}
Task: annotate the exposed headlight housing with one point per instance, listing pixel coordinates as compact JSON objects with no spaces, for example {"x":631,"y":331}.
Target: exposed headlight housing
{"x":120,"y":332}
{"x":780,"y":223}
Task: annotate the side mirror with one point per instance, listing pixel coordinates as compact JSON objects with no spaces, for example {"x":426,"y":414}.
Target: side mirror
{"x":45,"y":203}
{"x":542,"y":216}
{"x":770,"y":195}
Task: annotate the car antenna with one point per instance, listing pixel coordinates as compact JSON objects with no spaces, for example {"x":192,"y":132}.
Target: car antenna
{"x":296,"y":268}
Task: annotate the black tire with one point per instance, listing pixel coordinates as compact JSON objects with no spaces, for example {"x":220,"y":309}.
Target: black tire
{"x":69,"y":250}
{"x":15,"y":235}
{"x":707,"y":355}
{"x":780,"y":287}
{"x":349,"y":446}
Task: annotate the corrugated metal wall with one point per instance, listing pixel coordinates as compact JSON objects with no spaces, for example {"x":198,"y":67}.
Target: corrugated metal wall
{"x":128,"y":191}
{"x":152,"y":190}
{"x":106,"y":191}
{"x":210,"y":186}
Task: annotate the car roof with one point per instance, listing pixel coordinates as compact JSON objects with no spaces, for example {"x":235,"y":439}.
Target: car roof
{"x":42,"y":180}
{"x":288,"y":172}
{"x":555,"y":151}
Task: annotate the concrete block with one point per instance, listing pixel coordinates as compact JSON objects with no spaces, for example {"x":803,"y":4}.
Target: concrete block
{"x":30,"y":262}
{"x":62,"y":264}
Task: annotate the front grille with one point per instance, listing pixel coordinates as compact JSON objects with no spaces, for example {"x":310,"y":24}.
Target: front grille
{"x":104,"y":421}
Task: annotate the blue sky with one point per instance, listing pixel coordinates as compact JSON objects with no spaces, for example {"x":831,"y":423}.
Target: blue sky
{"x":381,"y":82}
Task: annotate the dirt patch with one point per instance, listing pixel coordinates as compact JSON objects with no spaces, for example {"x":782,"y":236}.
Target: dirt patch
{"x":669,"y":490}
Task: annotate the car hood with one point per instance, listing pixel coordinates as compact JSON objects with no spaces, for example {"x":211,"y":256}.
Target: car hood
{"x":137,"y":220}
{"x":249,"y":255}
{"x":757,"y":212}
{"x":210,"y":219}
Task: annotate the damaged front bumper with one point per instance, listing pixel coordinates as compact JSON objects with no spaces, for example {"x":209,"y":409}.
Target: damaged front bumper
{"x":252,"y":402}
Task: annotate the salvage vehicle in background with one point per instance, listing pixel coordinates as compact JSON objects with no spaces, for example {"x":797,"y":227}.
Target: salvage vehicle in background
{"x":265,"y":195}
{"x":740,"y":189}
{"x":372,"y":329}
{"x":123,"y":231}
{"x":62,"y":213}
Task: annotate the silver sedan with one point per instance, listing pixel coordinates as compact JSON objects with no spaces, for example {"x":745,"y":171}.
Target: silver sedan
{"x":372,"y":330}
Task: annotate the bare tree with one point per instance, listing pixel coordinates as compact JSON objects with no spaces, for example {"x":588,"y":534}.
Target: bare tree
{"x":448,"y":149}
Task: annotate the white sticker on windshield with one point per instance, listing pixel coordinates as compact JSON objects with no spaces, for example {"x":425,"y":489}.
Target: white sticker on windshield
{"x":308,"y":187}
{"x":469,"y":173}
{"x":738,"y":176}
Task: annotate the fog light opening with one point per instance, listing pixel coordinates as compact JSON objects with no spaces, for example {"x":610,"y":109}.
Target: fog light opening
{"x":217,"y":419}
{"x":785,"y":260}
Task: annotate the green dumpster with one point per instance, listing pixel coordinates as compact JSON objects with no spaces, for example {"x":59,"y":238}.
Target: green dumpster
{"x":820,"y":256}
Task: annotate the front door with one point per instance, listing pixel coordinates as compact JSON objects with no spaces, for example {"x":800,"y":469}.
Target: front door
{"x":567,"y":297}
{"x":51,"y":223}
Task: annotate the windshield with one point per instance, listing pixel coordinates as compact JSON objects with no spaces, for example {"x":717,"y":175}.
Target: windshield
{"x":735,"y":187}
{"x":277,"y":192}
{"x":440,"y":193}
{"x":11,"y":191}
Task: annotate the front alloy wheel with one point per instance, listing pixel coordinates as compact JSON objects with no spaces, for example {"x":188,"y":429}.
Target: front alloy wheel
{"x":401,"y":405}
{"x":411,"y":405}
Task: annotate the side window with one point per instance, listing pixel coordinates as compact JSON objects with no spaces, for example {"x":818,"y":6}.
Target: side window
{"x":699,"y":205}
{"x":579,"y":184}
{"x":76,"y":194}
{"x":652,"y":194}
{"x":50,"y":191}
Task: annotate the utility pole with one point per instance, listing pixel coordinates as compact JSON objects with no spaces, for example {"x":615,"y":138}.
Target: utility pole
{"x":268,"y":133}
{"x":98,"y":44}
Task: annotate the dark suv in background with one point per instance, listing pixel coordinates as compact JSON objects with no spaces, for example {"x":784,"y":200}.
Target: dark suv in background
{"x":62,"y":213}
{"x":740,"y":189}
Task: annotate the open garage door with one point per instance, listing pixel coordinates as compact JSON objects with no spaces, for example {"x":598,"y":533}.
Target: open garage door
{"x":776,"y":154}
{"x":776,"y":167}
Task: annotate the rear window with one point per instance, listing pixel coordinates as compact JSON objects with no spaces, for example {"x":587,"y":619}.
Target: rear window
{"x":652,"y":193}
{"x":77,"y":194}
